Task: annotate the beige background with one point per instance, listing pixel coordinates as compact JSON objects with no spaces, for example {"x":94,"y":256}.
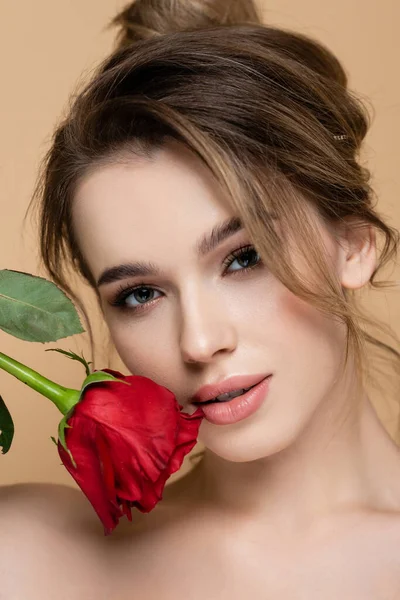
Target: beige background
{"x":47,"y":46}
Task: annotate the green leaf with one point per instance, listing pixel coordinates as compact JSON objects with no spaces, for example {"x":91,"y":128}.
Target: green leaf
{"x":54,"y":440}
{"x":34,"y":309}
{"x":61,"y":434}
{"x":6,"y":427}
{"x":74,"y":356}
{"x":98,"y":377}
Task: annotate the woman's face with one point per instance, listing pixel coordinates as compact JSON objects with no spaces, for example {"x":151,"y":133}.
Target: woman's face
{"x":198,"y":320}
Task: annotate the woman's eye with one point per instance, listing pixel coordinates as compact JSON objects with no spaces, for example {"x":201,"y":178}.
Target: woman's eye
{"x":246,"y":254}
{"x":142,"y":294}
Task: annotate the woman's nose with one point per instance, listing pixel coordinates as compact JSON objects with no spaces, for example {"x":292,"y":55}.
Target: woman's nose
{"x":206,"y":329}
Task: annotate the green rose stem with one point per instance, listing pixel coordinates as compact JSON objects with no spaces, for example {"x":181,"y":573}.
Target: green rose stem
{"x":64,"y":398}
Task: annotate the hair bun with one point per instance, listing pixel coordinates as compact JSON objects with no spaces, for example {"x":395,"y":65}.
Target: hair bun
{"x":143,"y":19}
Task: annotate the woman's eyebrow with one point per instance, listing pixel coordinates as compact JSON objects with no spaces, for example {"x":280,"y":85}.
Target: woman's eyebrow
{"x":206,"y":244}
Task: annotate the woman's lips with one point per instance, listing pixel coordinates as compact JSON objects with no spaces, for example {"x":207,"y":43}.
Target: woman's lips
{"x":227,"y":400}
{"x":236,"y":409}
{"x":230,"y":384}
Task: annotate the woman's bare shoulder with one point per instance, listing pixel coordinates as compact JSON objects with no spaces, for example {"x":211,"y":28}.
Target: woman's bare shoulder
{"x":48,"y":532}
{"x":48,"y":506}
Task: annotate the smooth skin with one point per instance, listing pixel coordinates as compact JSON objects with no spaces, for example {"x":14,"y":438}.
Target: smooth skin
{"x":299,"y":501}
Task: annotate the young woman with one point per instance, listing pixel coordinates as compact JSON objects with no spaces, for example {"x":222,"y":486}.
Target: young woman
{"x":205,"y":184}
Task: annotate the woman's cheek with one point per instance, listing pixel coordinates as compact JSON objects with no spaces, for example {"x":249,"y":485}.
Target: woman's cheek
{"x":317,"y":339}
{"x":143,"y":352}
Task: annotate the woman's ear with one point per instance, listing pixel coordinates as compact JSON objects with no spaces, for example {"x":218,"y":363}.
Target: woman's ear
{"x":358,"y":256}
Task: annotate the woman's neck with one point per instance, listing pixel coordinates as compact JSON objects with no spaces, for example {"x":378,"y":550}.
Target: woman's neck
{"x":347,"y":465}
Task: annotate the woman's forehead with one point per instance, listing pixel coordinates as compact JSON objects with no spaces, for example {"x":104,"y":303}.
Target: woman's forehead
{"x":172,"y":178}
{"x":145,"y":208}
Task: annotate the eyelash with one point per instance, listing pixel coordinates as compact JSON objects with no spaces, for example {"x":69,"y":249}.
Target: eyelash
{"x":124,"y":291}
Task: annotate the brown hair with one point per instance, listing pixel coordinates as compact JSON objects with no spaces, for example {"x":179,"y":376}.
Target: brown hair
{"x":266,"y":109}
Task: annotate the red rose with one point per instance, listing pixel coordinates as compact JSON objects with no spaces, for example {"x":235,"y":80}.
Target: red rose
{"x":126,"y":441}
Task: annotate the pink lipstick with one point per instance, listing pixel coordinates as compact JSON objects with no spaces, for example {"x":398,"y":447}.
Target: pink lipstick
{"x":235,"y":409}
